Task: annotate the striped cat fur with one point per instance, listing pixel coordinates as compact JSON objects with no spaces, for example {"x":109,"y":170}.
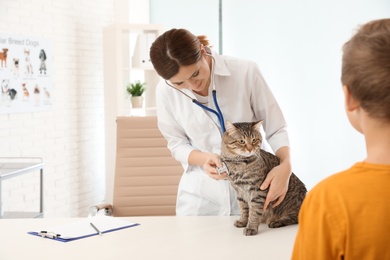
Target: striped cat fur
{"x":247,"y":166}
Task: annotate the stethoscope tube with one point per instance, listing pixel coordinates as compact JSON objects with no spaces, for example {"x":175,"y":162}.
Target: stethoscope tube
{"x":218,"y":113}
{"x":220,"y":117}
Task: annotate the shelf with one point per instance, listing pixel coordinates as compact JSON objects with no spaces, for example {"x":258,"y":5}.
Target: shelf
{"x":9,"y":170}
{"x":125,"y":59}
{"x":11,"y":167}
{"x":21,"y":214}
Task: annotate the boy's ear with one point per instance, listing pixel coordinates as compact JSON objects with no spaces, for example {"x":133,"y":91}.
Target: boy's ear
{"x":350,"y":102}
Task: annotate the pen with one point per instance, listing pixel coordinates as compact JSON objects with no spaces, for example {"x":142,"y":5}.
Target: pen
{"x":94,"y":227}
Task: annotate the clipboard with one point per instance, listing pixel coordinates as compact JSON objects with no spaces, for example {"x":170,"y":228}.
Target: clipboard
{"x":83,"y":228}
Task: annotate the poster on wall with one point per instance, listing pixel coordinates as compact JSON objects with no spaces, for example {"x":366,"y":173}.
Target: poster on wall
{"x":25,"y":74}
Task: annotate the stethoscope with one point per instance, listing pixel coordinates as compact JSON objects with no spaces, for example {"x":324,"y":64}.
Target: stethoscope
{"x":217,"y":112}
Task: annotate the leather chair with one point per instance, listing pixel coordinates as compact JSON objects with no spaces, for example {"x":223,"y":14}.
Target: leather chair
{"x":146,"y":175}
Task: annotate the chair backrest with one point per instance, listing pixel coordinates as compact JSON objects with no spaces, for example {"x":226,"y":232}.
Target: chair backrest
{"x":146,"y":175}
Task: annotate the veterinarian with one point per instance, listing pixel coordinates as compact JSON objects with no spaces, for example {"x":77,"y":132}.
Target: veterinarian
{"x":188,"y":67}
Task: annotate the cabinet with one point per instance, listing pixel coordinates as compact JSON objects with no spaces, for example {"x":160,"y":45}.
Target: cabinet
{"x":125,"y":59}
{"x":11,"y":167}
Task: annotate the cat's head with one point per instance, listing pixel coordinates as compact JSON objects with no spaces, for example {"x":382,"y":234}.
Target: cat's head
{"x":243,"y":139}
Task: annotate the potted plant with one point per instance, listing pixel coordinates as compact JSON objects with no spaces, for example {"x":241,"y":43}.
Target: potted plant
{"x":135,"y":90}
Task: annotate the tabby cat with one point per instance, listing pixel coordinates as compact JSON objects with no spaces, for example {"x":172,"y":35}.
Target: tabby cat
{"x":247,"y":167}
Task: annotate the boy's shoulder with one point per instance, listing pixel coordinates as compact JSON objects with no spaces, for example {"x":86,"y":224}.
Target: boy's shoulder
{"x":335,"y":181}
{"x":350,"y":179}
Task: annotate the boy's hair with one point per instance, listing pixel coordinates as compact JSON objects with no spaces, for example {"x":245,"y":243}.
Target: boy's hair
{"x":366,"y":68}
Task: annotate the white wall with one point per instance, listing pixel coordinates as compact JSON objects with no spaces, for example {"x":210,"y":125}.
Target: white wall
{"x":70,"y":137}
{"x":297,"y":45}
{"x":200,"y":17}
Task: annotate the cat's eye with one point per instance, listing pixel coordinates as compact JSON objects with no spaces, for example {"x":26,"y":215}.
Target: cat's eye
{"x":241,"y":141}
{"x":254,"y":140}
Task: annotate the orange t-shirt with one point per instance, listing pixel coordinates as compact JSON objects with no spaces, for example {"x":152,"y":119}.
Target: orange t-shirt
{"x":347,"y":216}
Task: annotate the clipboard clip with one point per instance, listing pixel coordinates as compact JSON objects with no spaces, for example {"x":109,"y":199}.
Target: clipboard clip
{"x":51,"y":235}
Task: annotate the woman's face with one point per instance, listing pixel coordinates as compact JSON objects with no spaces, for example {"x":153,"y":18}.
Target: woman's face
{"x":195,"y":77}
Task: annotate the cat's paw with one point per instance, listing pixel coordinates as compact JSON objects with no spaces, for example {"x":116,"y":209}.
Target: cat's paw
{"x":239,"y":224}
{"x":276,"y":224}
{"x":250,"y":231}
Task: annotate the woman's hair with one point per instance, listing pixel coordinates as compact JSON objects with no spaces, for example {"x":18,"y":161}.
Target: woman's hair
{"x":366,"y":68}
{"x":175,"y":48}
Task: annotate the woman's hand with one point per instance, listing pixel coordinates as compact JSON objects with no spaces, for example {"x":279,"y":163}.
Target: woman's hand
{"x":209,"y":162}
{"x":210,"y":167}
{"x":277,"y":179}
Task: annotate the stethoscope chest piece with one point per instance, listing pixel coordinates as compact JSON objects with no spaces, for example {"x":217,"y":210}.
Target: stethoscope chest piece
{"x":223,"y":169}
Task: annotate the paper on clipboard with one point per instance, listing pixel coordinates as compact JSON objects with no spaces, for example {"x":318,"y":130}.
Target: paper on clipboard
{"x":83,"y":228}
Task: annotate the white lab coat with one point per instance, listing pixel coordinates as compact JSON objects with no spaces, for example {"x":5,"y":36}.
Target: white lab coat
{"x":243,"y":96}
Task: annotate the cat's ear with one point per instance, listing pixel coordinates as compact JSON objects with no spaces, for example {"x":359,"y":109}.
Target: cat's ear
{"x":229,"y":127}
{"x":257,"y":125}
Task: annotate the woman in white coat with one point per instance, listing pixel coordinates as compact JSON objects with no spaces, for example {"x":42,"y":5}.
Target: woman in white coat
{"x":188,"y":67}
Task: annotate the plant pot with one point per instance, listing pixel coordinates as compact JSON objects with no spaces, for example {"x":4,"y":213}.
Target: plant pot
{"x":136,"y":102}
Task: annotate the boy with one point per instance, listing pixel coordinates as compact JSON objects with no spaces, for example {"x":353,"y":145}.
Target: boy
{"x":346,"y":216}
